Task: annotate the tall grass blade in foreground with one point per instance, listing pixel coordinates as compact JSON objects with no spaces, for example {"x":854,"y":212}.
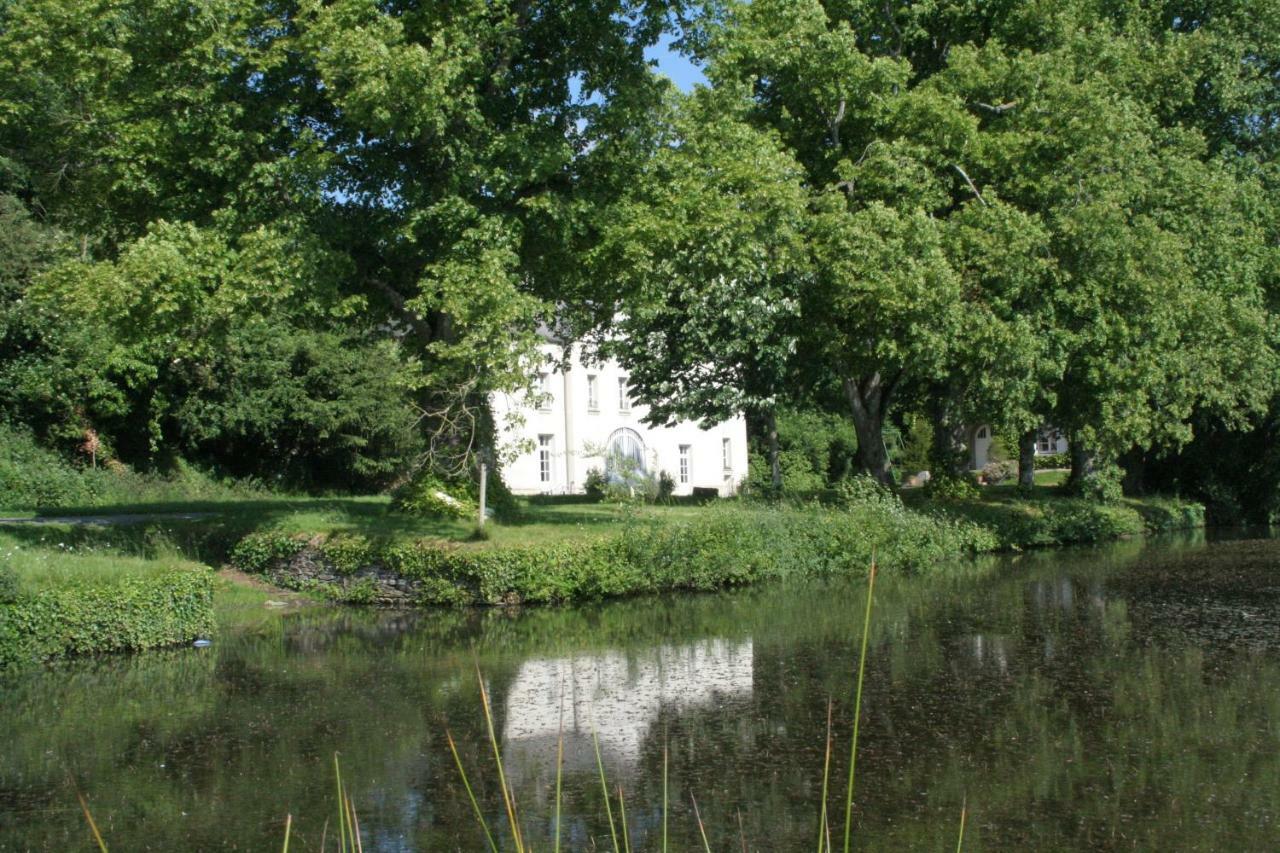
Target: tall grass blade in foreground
{"x":824,"y":832}
{"x":97,"y":836}
{"x":559,"y":774}
{"x":470,"y":794}
{"x":348,"y":824}
{"x":507,"y":796}
{"x":963,"y":813}
{"x":857,"y":710}
{"x":665,"y":750}
{"x":706,"y":845}
{"x":288,"y":825}
{"x":604,"y":789}
{"x":622,"y":810}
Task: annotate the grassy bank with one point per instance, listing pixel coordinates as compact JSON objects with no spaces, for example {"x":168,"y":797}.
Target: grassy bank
{"x":56,"y":601}
{"x":1044,"y":519}
{"x":570,"y":552}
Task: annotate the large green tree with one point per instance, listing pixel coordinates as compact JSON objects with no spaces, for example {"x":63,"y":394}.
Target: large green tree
{"x":705,"y":259}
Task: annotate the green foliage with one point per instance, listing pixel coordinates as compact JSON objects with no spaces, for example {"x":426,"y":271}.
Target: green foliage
{"x":815,"y":450}
{"x":8,"y":583}
{"x":666,"y":486}
{"x":132,"y":612}
{"x":1053,"y":460}
{"x":422,"y":496}
{"x":947,"y":487}
{"x":430,"y":496}
{"x":1046,"y":522}
{"x":916,"y":445}
{"x":258,"y":551}
{"x":596,"y":484}
{"x":346,"y":553}
{"x":1101,"y":484}
{"x":31,"y":476}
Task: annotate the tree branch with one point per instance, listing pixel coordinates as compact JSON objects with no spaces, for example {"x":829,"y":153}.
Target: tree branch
{"x":970,"y":182}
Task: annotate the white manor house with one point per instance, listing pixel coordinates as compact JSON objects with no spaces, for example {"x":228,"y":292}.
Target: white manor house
{"x":584,"y":411}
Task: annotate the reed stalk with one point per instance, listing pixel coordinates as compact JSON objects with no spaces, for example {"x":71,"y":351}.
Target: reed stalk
{"x":288,"y":825}
{"x":622,"y":810}
{"x":706,"y":845}
{"x":964,"y":803}
{"x":484,"y":825}
{"x":665,"y":750}
{"x":604,"y":789}
{"x":342,"y":812}
{"x":93,"y":826}
{"x":824,"y":831}
{"x":857,"y":711}
{"x":508,"y":797}
{"x":559,"y":774}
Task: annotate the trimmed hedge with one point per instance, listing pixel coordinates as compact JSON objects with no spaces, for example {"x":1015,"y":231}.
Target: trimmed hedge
{"x":135,"y":612}
{"x":726,"y":547}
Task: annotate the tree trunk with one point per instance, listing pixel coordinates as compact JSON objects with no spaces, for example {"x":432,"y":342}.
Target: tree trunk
{"x":1134,"y":464}
{"x":948,"y":453}
{"x":1027,"y":459}
{"x":775,"y":464}
{"x":867,"y":406}
{"x":1084,"y":462}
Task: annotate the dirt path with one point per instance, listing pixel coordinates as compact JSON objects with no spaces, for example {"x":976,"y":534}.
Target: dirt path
{"x":277,"y":597}
{"x":107,"y":520}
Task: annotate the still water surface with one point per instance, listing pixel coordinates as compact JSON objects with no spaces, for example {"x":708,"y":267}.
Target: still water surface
{"x":1125,"y":698}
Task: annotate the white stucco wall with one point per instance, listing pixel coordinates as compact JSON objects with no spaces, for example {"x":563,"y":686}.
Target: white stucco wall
{"x":579,"y":434}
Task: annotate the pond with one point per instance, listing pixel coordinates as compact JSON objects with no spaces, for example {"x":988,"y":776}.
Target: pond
{"x":1118,"y":698}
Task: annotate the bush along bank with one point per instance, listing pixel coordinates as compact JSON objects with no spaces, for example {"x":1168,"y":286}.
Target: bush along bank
{"x":131,"y":612}
{"x":1047,"y":522}
{"x":728,"y":546}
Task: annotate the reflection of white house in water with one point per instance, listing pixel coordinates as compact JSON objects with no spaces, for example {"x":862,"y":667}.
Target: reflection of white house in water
{"x":585,"y":410}
{"x":618,"y":696}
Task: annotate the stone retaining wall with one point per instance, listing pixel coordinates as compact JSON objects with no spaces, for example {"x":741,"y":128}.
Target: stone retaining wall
{"x":373,"y":584}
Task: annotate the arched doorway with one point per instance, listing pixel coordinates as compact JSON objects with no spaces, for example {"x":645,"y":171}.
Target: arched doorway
{"x":624,"y":457}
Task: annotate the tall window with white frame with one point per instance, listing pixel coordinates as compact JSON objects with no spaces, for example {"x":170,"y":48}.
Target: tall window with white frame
{"x":726,"y":454}
{"x":593,"y":393}
{"x":624,"y":395}
{"x":544,"y":458}
{"x":684,"y":464}
{"x":544,"y":392}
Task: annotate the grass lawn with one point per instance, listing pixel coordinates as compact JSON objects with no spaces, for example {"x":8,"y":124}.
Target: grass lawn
{"x":57,"y":565}
{"x":371,"y":516}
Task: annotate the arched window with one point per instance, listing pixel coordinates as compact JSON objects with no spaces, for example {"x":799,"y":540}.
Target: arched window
{"x":982,"y":432}
{"x":625,"y":454}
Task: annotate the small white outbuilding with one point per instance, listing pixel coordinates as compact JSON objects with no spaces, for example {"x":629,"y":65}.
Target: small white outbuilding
{"x":583,"y":411}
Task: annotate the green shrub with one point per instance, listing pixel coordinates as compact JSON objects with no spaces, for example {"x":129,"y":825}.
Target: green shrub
{"x":259,"y":551}
{"x":432,"y":497}
{"x":1053,"y":460}
{"x":815,"y":449}
{"x":32,"y":477}
{"x":951,"y":488}
{"x":347,"y":554}
{"x":596,"y":484}
{"x":1102,"y":485}
{"x":138,"y":611}
{"x":8,"y":585}
{"x":666,"y":486}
